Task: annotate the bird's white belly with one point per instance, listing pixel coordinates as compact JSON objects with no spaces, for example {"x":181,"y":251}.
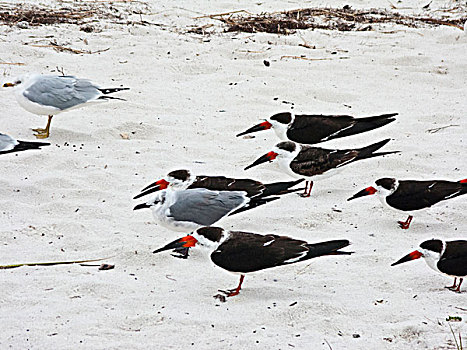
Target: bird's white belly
{"x":35,"y":108}
{"x":161,"y":215}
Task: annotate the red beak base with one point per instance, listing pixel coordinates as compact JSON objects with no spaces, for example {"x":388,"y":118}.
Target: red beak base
{"x":409,"y":257}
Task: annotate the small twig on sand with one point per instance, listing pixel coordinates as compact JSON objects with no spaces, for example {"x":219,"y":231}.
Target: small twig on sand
{"x":305,"y":44}
{"x":328,"y":344}
{"x":69,"y":49}
{"x":222,"y":14}
{"x":306,"y":58}
{"x":12,"y":266}
{"x":434,"y":130}
{"x":13,"y":63}
{"x":314,"y":59}
{"x":170,"y":278}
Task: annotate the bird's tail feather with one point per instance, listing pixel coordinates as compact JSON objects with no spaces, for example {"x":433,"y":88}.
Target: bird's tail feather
{"x":112,"y":90}
{"x":279,"y":188}
{"x":368,"y":123}
{"x":254,"y":202}
{"x":25,"y":145}
{"x":327,"y":248}
{"x":370,"y":151}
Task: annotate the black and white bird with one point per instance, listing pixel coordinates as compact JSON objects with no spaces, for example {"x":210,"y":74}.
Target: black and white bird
{"x":311,"y":129}
{"x":408,"y":196}
{"x":245,"y":252}
{"x":183,"y":179}
{"x":190,"y":209}
{"x":9,"y":145}
{"x":448,"y":258}
{"x":51,"y":94}
{"x":313,"y":163}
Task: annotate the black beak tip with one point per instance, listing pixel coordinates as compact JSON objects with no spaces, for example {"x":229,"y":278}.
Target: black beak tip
{"x":141,"y":206}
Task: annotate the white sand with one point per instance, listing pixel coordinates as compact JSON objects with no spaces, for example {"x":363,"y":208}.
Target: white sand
{"x":74,"y":201}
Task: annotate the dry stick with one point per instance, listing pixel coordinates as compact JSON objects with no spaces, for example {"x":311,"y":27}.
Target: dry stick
{"x":68,"y":49}
{"x":13,"y":63}
{"x":222,"y":14}
{"x":432,"y":131}
{"x":12,"y":266}
{"x":306,"y":58}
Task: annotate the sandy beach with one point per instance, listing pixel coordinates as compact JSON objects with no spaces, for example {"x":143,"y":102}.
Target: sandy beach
{"x":190,"y":94}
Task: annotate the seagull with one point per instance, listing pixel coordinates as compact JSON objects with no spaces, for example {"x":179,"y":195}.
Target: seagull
{"x":9,"y":145}
{"x":183,"y":179}
{"x":245,"y":252}
{"x":448,"y":258}
{"x":52,"y":94}
{"x":303,"y":161}
{"x":311,"y":129}
{"x":411,"y":195}
{"x":190,"y":209}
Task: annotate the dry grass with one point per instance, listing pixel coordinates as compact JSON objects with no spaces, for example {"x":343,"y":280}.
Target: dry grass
{"x":75,"y":13}
{"x":343,"y":19}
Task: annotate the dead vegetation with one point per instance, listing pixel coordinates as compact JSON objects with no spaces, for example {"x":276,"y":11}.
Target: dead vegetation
{"x":78,"y":13}
{"x":342,"y":19}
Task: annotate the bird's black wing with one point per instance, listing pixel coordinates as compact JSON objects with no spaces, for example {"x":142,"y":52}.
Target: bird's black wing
{"x":454,"y":259}
{"x":314,"y":161}
{"x":222,"y":183}
{"x":246,"y":252}
{"x":414,"y":195}
{"x":309,"y":129}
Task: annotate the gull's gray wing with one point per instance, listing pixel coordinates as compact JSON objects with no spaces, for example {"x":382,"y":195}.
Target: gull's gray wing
{"x":205,"y":207}
{"x":7,"y":142}
{"x":61,"y":92}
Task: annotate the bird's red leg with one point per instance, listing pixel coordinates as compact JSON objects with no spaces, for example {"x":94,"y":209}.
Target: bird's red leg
{"x":454,"y":285}
{"x":304,"y":191}
{"x":305,"y":194}
{"x":458,"y":289}
{"x":236,"y":291}
{"x":405,"y":224}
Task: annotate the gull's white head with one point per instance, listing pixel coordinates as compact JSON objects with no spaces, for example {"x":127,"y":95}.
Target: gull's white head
{"x":180,"y":179}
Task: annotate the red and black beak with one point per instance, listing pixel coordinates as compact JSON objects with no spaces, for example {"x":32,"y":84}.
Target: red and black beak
{"x":409,"y":257}
{"x":263,"y":126}
{"x":156,"y":186}
{"x":268,"y":157}
{"x":366,"y":192}
{"x":185,"y":242}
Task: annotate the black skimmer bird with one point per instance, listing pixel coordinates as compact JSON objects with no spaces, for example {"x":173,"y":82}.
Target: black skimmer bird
{"x":190,"y":209}
{"x":51,"y":94}
{"x":312,"y":163}
{"x":245,"y":252}
{"x":183,"y":179}
{"x":9,"y":145}
{"x":411,"y":195}
{"x":311,"y":129}
{"x":449,"y":258}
